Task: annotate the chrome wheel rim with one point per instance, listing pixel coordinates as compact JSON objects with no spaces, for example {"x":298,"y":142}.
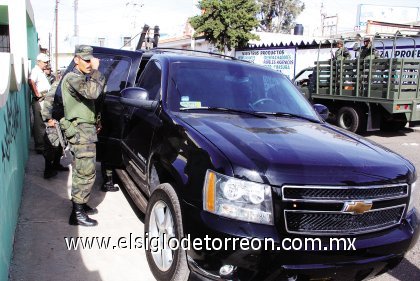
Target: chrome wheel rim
{"x":161,"y":230}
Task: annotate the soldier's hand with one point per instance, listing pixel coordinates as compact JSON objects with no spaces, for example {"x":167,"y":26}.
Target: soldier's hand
{"x":94,"y":62}
{"x":51,"y":123}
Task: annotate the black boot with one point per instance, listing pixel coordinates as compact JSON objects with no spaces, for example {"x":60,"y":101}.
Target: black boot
{"x":49,"y":171}
{"x":89,"y":210}
{"x":109,"y":185}
{"x":79,"y":217}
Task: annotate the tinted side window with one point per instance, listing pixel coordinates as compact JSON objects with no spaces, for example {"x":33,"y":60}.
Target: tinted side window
{"x":150,"y":79}
{"x":115,"y":69}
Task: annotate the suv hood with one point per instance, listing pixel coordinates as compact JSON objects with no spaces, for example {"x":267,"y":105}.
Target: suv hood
{"x":278,"y":151}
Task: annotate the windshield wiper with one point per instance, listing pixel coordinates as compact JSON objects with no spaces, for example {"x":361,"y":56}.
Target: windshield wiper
{"x":224,"y":109}
{"x":287,"y":114}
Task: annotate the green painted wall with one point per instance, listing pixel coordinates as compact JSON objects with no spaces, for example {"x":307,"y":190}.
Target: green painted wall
{"x":33,"y":49}
{"x":4,"y":15}
{"x":13,"y":158}
{"x":14,"y":151}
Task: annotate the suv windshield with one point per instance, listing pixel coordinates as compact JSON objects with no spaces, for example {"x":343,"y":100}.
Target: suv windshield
{"x":237,"y":86}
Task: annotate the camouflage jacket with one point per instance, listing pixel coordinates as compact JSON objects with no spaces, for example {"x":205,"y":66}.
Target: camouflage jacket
{"x":342,"y":53}
{"x":368,"y":53}
{"x":79,"y":92}
{"x":48,"y":102}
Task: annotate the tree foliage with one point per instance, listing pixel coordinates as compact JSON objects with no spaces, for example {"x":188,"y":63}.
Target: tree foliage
{"x":279,"y":15}
{"x":226,"y":23}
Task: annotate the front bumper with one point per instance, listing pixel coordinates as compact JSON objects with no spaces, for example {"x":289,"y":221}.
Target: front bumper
{"x":374,"y":254}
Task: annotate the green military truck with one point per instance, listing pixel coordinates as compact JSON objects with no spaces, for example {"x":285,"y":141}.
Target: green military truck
{"x":369,"y":94}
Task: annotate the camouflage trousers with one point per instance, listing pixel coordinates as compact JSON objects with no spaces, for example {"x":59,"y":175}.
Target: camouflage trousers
{"x":52,"y":148}
{"x":84,"y":172}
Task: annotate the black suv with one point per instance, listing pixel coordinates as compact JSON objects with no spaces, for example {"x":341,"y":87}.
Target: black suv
{"x":231,"y":153}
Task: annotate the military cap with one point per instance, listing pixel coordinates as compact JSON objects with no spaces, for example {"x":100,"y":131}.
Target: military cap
{"x":366,"y":39}
{"x":84,"y":51}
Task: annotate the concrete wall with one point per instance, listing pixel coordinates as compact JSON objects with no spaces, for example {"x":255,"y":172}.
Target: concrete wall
{"x":14,"y":120}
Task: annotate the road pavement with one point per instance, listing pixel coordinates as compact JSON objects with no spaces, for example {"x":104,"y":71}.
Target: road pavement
{"x":40,"y":249}
{"x":407,"y":143}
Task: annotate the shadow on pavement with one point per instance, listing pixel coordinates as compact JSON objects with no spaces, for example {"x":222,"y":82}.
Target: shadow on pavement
{"x":385,"y":134}
{"x":140,"y":215}
{"x":405,"y":271}
{"x":40,"y":251}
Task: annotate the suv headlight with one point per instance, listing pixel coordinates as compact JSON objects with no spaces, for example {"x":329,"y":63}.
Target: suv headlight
{"x":237,"y":199}
{"x":414,"y":196}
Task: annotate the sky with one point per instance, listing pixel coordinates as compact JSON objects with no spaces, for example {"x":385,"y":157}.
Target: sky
{"x":346,"y":10}
{"x":97,"y":17}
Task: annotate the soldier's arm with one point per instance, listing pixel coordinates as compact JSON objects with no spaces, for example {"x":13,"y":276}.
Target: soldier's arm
{"x":46,"y":111}
{"x":89,"y":88}
{"x":346,"y":53}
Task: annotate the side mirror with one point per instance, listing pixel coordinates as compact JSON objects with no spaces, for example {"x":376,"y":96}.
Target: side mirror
{"x":322,"y":110}
{"x":137,"y":97}
{"x":135,"y":93}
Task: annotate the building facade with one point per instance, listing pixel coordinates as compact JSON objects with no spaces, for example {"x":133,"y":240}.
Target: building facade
{"x":18,"y":50}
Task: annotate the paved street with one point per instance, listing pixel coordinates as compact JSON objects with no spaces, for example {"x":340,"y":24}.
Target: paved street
{"x":40,"y":252}
{"x":406,"y":143}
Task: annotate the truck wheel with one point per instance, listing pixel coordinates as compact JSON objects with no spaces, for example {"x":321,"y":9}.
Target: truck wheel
{"x":164,"y":221}
{"x":351,"y":119}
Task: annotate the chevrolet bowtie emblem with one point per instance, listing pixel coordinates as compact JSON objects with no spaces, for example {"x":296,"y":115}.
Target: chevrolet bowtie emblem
{"x":357,"y":207}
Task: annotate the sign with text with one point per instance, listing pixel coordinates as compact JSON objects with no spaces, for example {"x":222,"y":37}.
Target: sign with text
{"x":281,"y":60}
{"x":400,"y":52}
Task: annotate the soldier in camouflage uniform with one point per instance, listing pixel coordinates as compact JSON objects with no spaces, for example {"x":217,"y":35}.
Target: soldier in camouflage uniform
{"x":52,"y":148}
{"x":367,"y":51}
{"x":342,"y":53}
{"x":80,"y":87}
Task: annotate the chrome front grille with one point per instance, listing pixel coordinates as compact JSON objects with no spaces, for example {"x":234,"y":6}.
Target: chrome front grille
{"x":339,"y":193}
{"x":342,"y":223}
{"x":343,"y":210}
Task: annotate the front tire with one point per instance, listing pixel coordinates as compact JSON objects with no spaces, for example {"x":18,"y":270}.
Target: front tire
{"x":164,"y":221}
{"x":351,"y":119}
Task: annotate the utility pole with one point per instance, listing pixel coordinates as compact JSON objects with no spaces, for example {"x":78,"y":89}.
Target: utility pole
{"x":56,"y":37}
{"x":328,"y":23}
{"x":76,"y":27}
{"x":49,"y":44}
